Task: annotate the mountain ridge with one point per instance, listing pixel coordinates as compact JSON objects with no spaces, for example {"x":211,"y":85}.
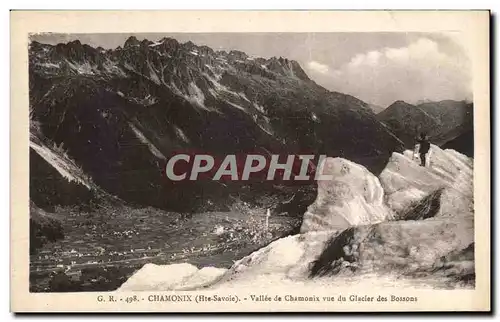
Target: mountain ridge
{"x":119,"y":113}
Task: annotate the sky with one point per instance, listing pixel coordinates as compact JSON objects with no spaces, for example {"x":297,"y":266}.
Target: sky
{"x":378,"y":68}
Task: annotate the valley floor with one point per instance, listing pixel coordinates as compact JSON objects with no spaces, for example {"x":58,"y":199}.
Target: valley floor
{"x":102,"y":249}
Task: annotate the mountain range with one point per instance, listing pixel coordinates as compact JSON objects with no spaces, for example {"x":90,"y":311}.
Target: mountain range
{"x":107,"y":119}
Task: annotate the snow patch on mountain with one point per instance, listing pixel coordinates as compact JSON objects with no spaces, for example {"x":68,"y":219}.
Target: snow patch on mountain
{"x":194,"y":95}
{"x":113,"y":69}
{"x":145,"y":141}
{"x":263,"y":123}
{"x":237,"y":106}
{"x":171,"y":277}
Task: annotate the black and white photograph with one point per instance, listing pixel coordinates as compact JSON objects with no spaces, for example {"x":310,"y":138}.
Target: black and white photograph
{"x":231,"y":161}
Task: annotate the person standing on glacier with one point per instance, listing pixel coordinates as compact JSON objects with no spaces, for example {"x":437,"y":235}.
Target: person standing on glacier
{"x":425,"y":145}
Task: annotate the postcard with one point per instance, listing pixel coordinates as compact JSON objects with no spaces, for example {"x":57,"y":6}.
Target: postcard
{"x":250,"y":161}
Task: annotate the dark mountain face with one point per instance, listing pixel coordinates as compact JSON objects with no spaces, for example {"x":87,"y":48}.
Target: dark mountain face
{"x":442,"y":121}
{"x":464,"y":143}
{"x":119,"y":114}
{"x":376,"y":108}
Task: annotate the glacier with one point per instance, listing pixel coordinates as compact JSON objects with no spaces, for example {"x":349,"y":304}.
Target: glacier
{"x":360,"y":232}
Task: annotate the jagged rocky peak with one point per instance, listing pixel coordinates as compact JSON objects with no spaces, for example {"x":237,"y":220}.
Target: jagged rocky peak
{"x":169,"y":42}
{"x":132,"y":41}
{"x":286,"y":67}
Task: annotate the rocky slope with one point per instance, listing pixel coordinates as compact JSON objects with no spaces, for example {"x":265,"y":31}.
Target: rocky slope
{"x":442,"y":121}
{"x":428,"y":244}
{"x":119,"y":113}
{"x":463,"y":143}
{"x":404,"y":181}
{"x":407,"y":121}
